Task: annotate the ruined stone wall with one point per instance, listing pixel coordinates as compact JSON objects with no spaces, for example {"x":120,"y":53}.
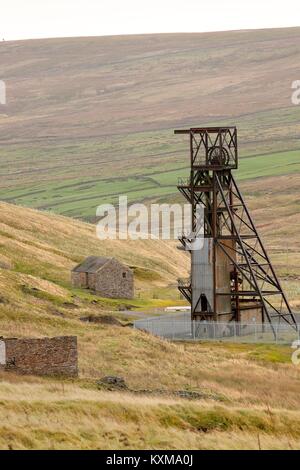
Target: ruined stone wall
{"x":40,"y":356}
{"x":115,"y":280}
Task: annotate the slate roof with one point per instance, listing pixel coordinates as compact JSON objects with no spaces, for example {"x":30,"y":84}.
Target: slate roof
{"x":91,"y":264}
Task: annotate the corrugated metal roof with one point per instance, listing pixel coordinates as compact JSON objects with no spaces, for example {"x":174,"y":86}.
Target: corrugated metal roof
{"x":91,"y":264}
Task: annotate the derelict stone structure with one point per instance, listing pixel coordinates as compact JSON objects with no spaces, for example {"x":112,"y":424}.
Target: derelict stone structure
{"x":56,"y":356}
{"x":232,"y":277}
{"x":105,"y":276}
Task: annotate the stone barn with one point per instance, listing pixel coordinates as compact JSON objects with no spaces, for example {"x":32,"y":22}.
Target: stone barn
{"x":105,"y":276}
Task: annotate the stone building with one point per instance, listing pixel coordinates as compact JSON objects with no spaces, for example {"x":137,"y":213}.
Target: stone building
{"x":105,"y":276}
{"x":56,"y":356}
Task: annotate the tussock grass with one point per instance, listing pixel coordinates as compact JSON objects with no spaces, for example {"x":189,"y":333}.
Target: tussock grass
{"x":69,"y":417}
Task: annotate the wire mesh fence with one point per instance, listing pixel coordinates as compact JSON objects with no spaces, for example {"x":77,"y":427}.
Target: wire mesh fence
{"x":180,"y":327}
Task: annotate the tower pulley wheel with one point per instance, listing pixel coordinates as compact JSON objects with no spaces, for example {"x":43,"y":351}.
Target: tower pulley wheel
{"x":218,"y":155}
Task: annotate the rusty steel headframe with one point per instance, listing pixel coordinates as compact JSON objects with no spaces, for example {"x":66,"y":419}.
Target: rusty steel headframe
{"x":229,"y":225}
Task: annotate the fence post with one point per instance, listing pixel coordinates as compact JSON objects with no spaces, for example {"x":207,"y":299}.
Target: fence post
{"x":193,"y":329}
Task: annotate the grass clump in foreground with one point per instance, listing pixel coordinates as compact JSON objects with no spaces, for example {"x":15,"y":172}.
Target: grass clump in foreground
{"x":46,"y":415}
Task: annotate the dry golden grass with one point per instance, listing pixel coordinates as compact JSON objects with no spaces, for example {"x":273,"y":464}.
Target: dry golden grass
{"x":40,"y":242}
{"x":51,"y":415}
{"x":251,"y":390}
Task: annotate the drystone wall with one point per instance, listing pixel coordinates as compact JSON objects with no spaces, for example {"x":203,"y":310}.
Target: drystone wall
{"x":40,"y":356}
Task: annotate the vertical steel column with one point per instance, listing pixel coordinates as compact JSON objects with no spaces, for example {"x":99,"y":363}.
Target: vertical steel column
{"x":214,"y":236}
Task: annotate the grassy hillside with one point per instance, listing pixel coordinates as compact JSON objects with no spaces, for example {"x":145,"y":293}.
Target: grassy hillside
{"x":38,"y":250}
{"x":244,"y":404}
{"x":89,"y":118}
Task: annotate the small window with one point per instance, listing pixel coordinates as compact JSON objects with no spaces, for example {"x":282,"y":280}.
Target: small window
{"x":124,"y":275}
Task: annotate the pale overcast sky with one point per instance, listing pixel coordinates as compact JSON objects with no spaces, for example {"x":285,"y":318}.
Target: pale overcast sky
{"x":23,"y":19}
